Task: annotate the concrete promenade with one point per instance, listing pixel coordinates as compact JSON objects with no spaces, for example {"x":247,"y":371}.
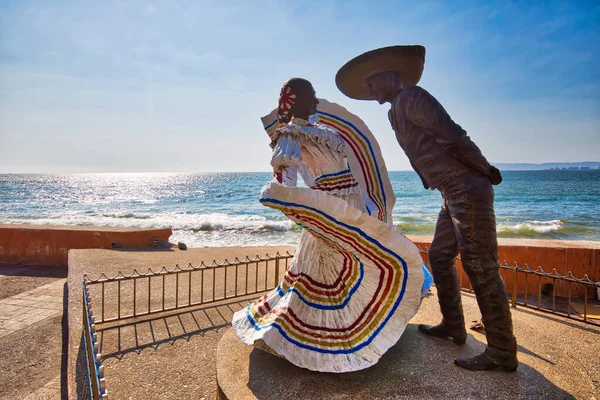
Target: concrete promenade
{"x":174,"y":356}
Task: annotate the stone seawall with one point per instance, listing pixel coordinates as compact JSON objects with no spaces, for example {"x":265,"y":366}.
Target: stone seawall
{"x":579,"y":257}
{"x":49,"y":245}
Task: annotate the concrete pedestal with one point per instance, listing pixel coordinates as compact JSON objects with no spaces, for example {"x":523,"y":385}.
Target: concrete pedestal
{"x":417,"y":367}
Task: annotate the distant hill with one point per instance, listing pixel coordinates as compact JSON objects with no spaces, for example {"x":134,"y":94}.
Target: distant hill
{"x":543,"y":166}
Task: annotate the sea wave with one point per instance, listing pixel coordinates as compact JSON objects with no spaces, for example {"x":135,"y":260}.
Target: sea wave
{"x":176,"y":221}
{"x":530,"y":228}
{"x":415,"y":228}
{"x":124,"y":215}
{"x":506,"y":227}
{"x":235,"y":238}
{"x":220,"y":229}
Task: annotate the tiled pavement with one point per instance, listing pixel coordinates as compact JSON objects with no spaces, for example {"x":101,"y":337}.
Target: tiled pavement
{"x":27,"y":308}
{"x":49,"y":391}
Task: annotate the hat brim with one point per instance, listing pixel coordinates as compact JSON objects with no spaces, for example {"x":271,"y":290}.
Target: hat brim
{"x":408,"y":61}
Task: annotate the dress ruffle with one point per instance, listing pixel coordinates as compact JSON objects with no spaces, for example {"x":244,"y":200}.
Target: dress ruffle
{"x":287,"y":152}
{"x":317,"y":134}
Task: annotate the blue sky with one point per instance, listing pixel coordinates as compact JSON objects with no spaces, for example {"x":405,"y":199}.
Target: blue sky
{"x":117,"y":86}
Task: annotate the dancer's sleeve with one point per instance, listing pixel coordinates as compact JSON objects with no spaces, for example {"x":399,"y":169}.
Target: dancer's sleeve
{"x":286,"y":159}
{"x":422,"y":109}
{"x":306,"y":174}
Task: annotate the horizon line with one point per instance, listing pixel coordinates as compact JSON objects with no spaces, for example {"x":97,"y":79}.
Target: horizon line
{"x":240,"y":172}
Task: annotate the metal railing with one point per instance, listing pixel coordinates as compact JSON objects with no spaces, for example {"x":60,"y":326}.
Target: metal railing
{"x":554,"y":277}
{"x":95,"y":370}
{"x":216,"y":282}
{"x":147,"y":293}
{"x":519,"y":288}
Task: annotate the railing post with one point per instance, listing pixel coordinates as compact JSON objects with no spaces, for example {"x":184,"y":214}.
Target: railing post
{"x":90,"y":345}
{"x":276,"y":270}
{"x":83,"y":302}
{"x":514,"y":288}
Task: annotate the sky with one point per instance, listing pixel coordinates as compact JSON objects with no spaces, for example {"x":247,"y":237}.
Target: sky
{"x":153,"y":86}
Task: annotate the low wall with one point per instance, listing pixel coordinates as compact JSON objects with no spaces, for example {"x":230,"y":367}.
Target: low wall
{"x":580,"y":257}
{"x":49,"y":245}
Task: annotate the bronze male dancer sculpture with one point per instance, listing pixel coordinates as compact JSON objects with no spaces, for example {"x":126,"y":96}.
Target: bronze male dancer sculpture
{"x":445,"y":159}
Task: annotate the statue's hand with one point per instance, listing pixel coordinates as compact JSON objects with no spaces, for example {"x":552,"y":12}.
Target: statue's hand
{"x":495,"y":176}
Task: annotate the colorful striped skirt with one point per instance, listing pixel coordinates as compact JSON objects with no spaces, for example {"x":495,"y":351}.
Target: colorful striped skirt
{"x":349,"y":292}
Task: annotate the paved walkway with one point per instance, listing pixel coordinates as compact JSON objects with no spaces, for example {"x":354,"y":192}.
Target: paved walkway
{"x":49,"y":391}
{"x":31,"y":304}
{"x":27,"y":308}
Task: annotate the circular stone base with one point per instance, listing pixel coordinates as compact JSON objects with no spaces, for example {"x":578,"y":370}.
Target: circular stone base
{"x":417,"y":367}
{"x":244,"y":372}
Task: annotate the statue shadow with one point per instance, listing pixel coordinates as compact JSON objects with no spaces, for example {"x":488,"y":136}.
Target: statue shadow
{"x":416,"y":367}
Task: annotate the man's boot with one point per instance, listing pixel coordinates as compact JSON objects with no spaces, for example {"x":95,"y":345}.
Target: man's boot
{"x":482,"y":362}
{"x":459,"y":336}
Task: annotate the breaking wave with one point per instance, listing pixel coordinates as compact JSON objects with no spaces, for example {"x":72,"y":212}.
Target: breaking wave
{"x":530,"y":228}
{"x":175,"y":221}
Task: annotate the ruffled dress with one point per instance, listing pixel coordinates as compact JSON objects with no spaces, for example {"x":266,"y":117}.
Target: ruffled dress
{"x":354,"y":281}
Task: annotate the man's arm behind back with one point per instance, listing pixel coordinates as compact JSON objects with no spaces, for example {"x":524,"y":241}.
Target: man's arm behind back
{"x":422,"y":109}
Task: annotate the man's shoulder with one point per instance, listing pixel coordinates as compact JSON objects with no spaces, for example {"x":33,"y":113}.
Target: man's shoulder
{"x":408,"y":96}
{"x":413,"y":95}
{"x":413,"y":91}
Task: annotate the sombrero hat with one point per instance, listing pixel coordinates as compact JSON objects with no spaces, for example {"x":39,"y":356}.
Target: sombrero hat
{"x":406,"y":60}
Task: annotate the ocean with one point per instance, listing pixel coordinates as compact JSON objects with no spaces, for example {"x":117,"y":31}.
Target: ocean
{"x":222,"y":209}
